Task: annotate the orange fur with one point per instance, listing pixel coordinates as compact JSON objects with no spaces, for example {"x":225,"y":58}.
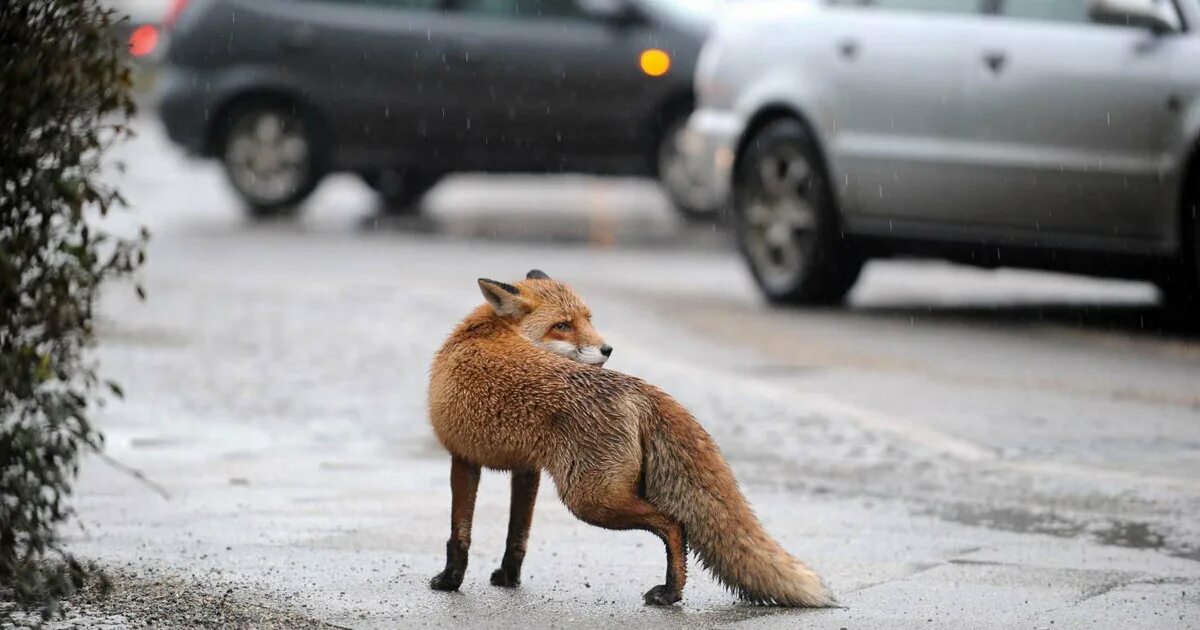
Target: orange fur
{"x":622,"y":454}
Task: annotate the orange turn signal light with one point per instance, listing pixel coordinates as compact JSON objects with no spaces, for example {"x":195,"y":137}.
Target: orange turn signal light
{"x":654,"y":62}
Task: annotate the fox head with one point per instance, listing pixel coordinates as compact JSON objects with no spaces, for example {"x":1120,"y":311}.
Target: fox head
{"x":549,"y":314}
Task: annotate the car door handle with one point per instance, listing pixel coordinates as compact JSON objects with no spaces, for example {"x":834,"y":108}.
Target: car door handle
{"x":995,"y":61}
{"x":848,"y":49}
{"x":299,"y":38}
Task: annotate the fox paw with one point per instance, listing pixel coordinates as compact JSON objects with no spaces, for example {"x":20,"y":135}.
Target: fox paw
{"x":507,"y":579}
{"x":661,"y":596}
{"x":446,"y":581}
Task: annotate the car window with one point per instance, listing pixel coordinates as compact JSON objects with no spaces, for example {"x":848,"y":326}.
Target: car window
{"x":1050,"y":10}
{"x":522,"y":8}
{"x":927,"y":6}
{"x":1074,"y":11}
{"x":398,"y":4}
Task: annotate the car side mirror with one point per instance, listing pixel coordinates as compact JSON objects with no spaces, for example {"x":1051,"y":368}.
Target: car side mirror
{"x":615,"y":12}
{"x":1156,"y":15}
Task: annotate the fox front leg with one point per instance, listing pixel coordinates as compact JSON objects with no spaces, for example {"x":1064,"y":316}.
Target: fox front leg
{"x":464,"y":481}
{"x":520,"y":517}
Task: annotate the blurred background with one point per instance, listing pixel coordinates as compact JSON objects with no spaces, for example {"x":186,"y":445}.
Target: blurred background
{"x":927,"y":270}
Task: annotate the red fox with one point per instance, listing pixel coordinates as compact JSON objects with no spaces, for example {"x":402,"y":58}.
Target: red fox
{"x":519,"y":386}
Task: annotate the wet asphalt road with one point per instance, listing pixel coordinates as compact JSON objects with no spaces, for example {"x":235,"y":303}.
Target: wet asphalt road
{"x":956,"y":449}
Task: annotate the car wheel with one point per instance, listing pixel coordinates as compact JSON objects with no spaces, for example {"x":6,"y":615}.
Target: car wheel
{"x":785,"y":220}
{"x":401,"y":190}
{"x":686,"y":189}
{"x":1181,"y":288}
{"x":271,"y":157}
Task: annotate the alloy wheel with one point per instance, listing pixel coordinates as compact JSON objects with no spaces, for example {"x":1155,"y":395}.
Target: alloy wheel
{"x":780,"y":216}
{"x":268,"y":156}
{"x":687,"y":189}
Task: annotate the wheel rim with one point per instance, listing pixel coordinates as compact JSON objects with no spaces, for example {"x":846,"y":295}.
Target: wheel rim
{"x":685,"y":186}
{"x":779,"y":216}
{"x":267,"y":156}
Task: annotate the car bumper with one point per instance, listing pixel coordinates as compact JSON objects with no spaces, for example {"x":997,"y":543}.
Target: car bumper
{"x":184,"y":109}
{"x":710,"y":146}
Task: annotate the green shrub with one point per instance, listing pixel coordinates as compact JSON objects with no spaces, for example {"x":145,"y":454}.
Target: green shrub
{"x":64,"y":99}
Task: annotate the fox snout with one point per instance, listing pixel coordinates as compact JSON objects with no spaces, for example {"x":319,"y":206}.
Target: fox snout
{"x":594,"y":355}
{"x":591,"y":355}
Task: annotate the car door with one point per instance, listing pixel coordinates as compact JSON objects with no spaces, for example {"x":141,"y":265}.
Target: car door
{"x":1072,"y":124}
{"x":372,"y":67}
{"x":536,"y":82}
{"x":897,"y":71}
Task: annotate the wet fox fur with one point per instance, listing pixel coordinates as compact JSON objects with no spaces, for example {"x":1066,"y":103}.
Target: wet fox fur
{"x":518,"y":386}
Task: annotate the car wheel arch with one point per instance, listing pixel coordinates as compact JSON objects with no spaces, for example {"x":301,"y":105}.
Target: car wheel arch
{"x":278,"y":97}
{"x":1189,"y":206}
{"x":1187,"y":157}
{"x":679,"y":103}
{"x":770,"y":113}
{"x":1179,"y":281}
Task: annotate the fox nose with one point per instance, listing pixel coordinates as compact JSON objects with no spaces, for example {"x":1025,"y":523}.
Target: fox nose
{"x":606,"y":350}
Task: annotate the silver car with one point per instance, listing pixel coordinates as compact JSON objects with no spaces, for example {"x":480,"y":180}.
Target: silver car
{"x":1057,"y":134}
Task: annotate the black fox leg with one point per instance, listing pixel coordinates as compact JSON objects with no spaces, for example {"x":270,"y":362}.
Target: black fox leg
{"x":464,"y":481}
{"x":520,"y":517}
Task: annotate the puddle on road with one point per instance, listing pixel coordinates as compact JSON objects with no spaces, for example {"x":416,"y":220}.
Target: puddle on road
{"x":1139,"y":536}
{"x":1129,"y":534}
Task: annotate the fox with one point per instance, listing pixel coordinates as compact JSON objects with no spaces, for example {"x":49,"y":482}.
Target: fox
{"x":519,"y":386}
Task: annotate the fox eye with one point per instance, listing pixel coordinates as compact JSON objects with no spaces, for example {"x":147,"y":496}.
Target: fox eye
{"x":563,"y":327}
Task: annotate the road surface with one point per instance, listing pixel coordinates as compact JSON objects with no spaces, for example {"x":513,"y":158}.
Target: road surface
{"x":956,"y":448}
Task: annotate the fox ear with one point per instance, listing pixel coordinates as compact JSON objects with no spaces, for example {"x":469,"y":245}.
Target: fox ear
{"x":504,"y":298}
{"x":536,"y":274}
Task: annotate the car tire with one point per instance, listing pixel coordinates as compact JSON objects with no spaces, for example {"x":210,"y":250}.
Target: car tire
{"x":400,"y":191}
{"x":687,"y":191}
{"x":1181,"y":288}
{"x":272,"y":156}
{"x":785,"y":220}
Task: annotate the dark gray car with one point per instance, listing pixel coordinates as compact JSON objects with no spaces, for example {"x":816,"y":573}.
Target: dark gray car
{"x":405,"y":91}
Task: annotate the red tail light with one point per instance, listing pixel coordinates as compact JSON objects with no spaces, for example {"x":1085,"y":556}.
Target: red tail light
{"x":143,"y":40}
{"x":173,"y":13}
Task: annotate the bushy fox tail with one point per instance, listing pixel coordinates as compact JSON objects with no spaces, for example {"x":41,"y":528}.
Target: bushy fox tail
{"x":687,"y":478}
